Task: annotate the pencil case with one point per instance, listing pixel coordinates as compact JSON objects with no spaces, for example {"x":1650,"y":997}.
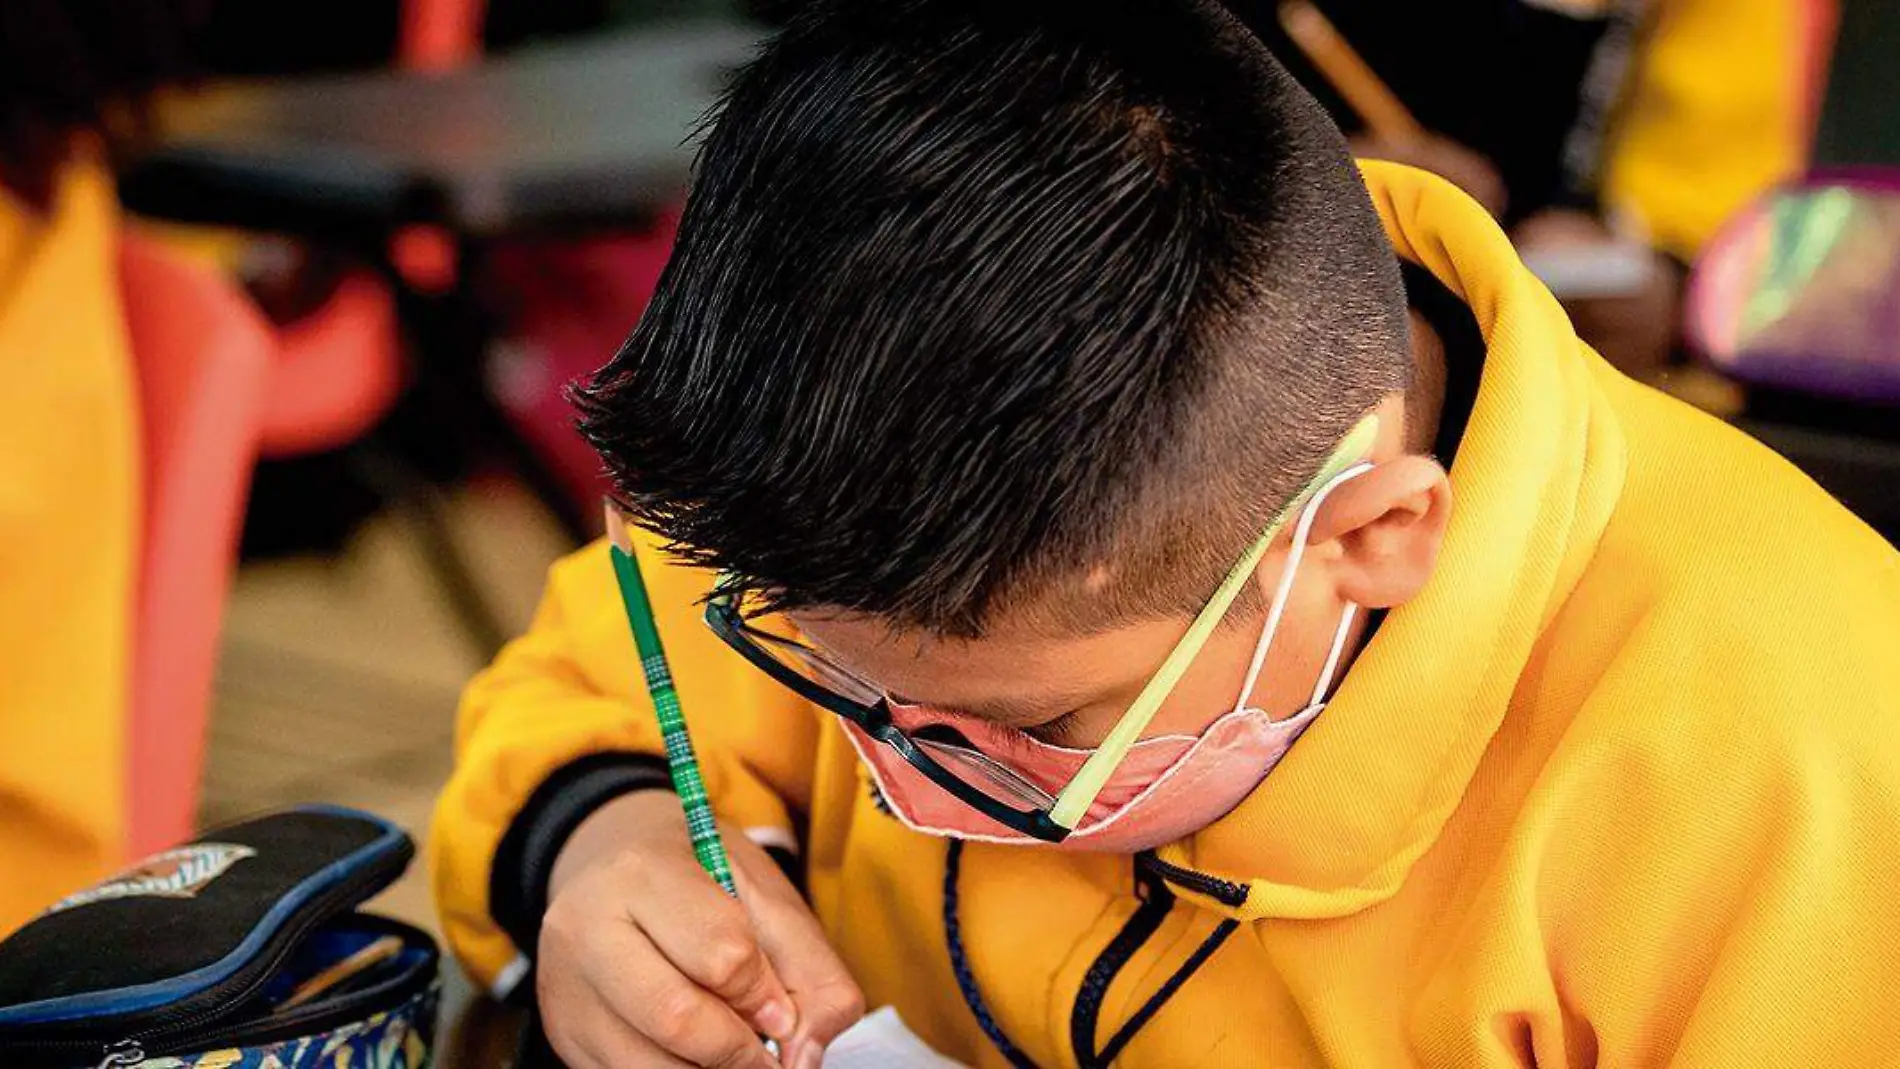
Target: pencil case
{"x":243,"y":949}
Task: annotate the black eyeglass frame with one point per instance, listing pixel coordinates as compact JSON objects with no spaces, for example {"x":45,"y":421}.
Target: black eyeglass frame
{"x":729,"y":623}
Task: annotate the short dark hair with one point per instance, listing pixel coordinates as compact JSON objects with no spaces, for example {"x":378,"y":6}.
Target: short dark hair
{"x":971,"y":297}
{"x":71,"y":66}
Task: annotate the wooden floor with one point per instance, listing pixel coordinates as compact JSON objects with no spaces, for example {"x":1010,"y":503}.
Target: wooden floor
{"x":338,"y":678}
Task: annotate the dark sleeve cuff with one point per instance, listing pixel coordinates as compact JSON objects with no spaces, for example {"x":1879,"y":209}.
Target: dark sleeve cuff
{"x":518,"y":882}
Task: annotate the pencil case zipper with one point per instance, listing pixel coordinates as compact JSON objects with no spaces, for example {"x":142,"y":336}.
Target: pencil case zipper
{"x":230,"y":997}
{"x":314,"y":1019}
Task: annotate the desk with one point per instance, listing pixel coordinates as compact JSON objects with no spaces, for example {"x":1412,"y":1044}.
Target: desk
{"x":582,"y":134}
{"x":589,"y":131}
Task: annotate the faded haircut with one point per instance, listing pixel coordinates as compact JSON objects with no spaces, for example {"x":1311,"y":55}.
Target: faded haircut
{"x":972,"y":301}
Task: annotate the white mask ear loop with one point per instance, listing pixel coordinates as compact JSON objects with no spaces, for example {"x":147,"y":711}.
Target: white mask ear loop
{"x":1301,"y":531}
{"x":1332,"y":659}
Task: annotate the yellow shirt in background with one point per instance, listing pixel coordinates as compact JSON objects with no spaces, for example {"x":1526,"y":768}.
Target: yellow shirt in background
{"x":1713,"y":115}
{"x":1621,"y":787}
{"x":69,"y":521}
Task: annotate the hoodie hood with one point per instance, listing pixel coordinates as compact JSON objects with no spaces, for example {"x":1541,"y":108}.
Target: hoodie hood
{"x":1366,"y":792}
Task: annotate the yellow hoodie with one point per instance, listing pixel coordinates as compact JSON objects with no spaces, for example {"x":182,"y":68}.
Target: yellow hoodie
{"x":69,"y":523}
{"x":1621,"y":787}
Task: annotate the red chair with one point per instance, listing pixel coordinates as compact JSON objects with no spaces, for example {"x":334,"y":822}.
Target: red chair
{"x":340,"y":368}
{"x":437,"y":35}
{"x":337,"y":372}
{"x":203,"y":354}
{"x":218,"y":387}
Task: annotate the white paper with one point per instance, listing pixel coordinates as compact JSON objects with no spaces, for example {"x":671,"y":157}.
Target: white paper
{"x":882,"y":1041}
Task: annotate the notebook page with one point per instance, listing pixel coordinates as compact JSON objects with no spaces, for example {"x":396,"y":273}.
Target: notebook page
{"x":882,"y":1041}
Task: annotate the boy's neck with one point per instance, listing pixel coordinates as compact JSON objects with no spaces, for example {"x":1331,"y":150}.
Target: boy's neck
{"x":1425,"y":398}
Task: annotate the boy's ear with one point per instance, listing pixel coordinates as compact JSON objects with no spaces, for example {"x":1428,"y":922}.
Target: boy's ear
{"x":1388,"y":524}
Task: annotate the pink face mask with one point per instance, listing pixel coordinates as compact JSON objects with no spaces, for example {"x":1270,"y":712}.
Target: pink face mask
{"x":1165,"y":788}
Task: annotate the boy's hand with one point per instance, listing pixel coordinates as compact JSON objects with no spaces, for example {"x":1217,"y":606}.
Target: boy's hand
{"x":644,"y":961}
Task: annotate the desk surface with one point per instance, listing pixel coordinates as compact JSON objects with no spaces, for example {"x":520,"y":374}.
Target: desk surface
{"x":596,"y":129}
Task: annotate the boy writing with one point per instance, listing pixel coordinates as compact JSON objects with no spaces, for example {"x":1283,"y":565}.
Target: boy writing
{"x":1183,"y":600}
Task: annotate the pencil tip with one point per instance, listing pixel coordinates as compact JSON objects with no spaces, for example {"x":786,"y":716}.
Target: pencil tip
{"x":617,"y":530}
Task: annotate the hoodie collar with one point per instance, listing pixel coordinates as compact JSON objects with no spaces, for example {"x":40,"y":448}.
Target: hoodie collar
{"x":1367,"y":790}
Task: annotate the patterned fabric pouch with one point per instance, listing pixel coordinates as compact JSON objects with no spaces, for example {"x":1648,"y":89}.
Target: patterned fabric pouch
{"x":241,"y":950}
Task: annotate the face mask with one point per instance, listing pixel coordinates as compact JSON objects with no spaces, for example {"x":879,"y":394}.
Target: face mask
{"x":1165,"y":789}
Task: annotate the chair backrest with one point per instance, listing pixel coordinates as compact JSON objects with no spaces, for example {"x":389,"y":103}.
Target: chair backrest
{"x":439,"y":35}
{"x":203,"y":353}
{"x":336,"y":371}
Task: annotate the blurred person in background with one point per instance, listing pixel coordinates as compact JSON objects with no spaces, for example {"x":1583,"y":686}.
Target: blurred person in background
{"x":1580,"y":121}
{"x":72,"y":76}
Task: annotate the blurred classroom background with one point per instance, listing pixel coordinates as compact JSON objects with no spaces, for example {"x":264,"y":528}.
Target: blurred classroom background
{"x":365,"y":243}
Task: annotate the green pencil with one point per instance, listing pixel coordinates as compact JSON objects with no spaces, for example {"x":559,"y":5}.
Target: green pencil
{"x":687,"y":781}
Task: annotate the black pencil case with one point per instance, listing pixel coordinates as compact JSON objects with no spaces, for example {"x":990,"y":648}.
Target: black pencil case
{"x":239,"y":950}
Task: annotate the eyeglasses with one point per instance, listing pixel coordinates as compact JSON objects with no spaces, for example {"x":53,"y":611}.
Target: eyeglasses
{"x":990,"y":787}
{"x":975,"y":779}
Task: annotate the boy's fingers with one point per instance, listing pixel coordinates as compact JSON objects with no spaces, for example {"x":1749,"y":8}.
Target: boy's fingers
{"x":828,"y":998}
{"x":592,"y":1036}
{"x":729,"y":962}
{"x":827,"y":1010}
{"x":709,"y":937}
{"x":656,"y":1000}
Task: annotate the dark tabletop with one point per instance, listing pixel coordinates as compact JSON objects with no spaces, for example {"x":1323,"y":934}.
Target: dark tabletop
{"x":592,"y":130}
